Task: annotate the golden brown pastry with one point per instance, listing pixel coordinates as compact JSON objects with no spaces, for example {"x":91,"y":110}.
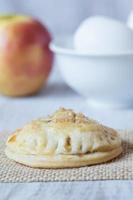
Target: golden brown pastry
{"x":64,"y":139}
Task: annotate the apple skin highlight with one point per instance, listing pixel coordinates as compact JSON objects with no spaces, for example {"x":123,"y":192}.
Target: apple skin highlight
{"x":25,"y":57}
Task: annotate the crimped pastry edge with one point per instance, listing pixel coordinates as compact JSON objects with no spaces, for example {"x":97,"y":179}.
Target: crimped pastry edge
{"x":63,"y":161}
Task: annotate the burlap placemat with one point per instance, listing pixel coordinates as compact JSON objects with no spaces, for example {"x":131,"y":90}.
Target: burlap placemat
{"x":119,"y":168}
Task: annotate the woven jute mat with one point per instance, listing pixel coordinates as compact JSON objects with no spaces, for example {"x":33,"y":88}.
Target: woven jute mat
{"x":120,"y":168}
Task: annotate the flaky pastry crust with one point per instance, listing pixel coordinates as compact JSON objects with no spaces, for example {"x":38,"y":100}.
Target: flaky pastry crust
{"x":64,"y":139}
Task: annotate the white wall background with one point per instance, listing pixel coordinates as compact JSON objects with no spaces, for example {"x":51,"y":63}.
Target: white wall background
{"x":63,"y":16}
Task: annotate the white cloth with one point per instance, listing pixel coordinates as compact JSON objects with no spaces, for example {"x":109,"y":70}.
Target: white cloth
{"x":15,"y":112}
{"x":92,"y":190}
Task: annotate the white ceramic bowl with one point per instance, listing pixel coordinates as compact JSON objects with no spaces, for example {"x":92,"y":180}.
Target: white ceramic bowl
{"x":104,"y":79}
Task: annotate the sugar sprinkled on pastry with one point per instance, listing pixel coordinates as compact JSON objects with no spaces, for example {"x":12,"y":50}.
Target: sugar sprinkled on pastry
{"x":64,"y":139}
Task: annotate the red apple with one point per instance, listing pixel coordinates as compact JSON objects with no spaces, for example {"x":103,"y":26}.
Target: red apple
{"x":25,"y":58}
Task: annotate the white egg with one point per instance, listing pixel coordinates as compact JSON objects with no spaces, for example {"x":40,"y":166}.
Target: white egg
{"x":103,"y":35}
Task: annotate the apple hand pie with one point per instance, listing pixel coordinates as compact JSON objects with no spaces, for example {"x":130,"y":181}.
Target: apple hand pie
{"x":64,"y":139}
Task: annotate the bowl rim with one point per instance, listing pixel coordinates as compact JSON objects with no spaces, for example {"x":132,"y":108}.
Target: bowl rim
{"x":59,"y":49}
